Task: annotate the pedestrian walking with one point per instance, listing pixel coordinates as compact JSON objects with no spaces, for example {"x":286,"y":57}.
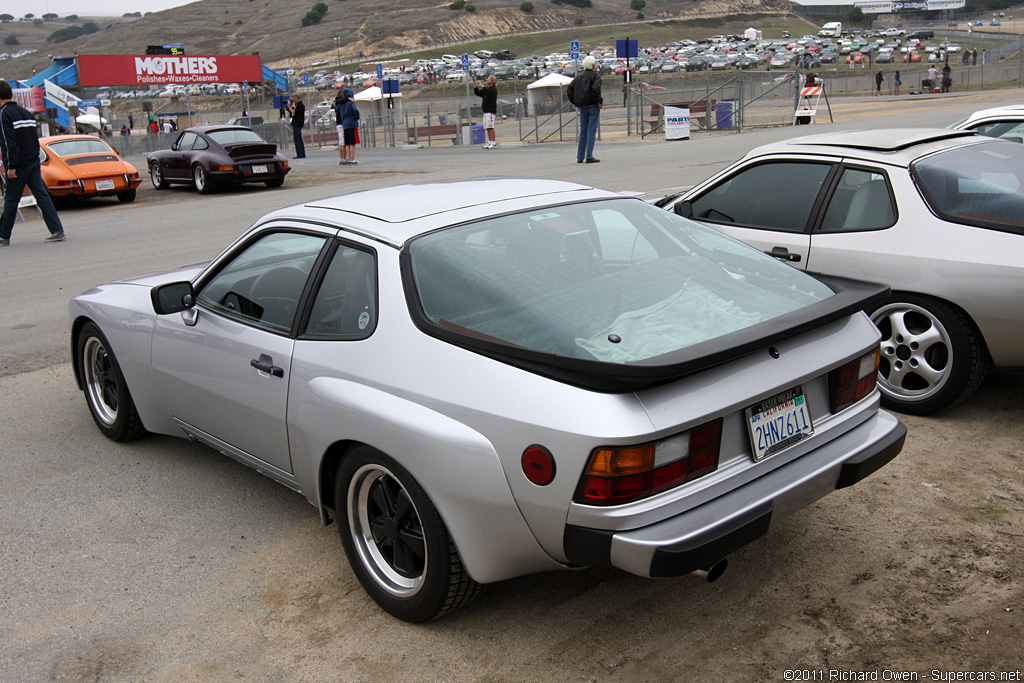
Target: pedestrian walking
{"x":19,"y":148}
{"x":349,"y":125}
{"x":131,"y":120}
{"x":974,"y":57}
{"x":489,"y":104}
{"x":879,"y":77}
{"x":947,"y":79}
{"x":897,"y":81}
{"x":298,"y":112}
{"x":585,"y":94}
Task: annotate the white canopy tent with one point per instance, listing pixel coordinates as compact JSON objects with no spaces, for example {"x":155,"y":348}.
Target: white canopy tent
{"x":546,"y":90}
{"x":373,"y":102}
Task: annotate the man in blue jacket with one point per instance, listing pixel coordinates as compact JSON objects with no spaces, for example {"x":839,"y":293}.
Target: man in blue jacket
{"x":19,"y":145}
{"x":348,"y":114}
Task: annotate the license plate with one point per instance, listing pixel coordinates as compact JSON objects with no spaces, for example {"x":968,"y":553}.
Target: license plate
{"x":779,"y":422}
{"x":104,"y":185}
{"x":259,"y":168}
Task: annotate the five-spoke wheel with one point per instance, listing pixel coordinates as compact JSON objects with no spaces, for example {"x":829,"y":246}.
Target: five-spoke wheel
{"x":156,"y":175}
{"x":395,"y":540}
{"x":931,"y":354}
{"x":106,"y":392}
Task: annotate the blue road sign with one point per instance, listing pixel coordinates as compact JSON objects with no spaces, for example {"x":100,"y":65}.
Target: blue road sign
{"x":305,"y":78}
{"x":465,"y":62}
{"x":626,"y":48}
{"x":390,"y":86}
{"x":380,"y":71}
{"x":574,"y":49}
{"x":89,"y":103}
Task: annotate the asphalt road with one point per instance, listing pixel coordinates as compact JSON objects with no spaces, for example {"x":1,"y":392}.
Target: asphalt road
{"x":161,"y":560}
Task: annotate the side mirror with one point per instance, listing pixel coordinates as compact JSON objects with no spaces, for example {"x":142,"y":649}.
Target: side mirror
{"x":172,"y":297}
{"x":684,"y":209}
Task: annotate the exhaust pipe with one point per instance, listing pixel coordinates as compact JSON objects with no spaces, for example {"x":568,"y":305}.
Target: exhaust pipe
{"x":712,"y":572}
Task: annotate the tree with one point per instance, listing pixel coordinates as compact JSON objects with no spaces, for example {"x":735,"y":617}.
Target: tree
{"x":72,"y":17}
{"x":320,"y":7}
{"x":458,"y":4}
{"x":526,"y":6}
{"x":63,"y":34}
{"x":29,"y":16}
{"x":6,"y":18}
{"x":637,"y":4}
{"x":49,"y":16}
{"x":11,"y":40}
{"x":89,"y":27}
{"x":855,"y":15}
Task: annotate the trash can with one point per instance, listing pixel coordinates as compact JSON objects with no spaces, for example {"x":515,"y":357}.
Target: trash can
{"x":478,"y":134}
{"x":723,"y":114}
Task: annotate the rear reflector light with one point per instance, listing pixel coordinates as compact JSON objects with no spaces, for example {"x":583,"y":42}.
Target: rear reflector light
{"x":853,"y":381}
{"x":617,"y":475}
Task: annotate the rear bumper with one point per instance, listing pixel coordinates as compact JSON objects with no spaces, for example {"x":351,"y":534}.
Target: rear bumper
{"x":702,"y":536}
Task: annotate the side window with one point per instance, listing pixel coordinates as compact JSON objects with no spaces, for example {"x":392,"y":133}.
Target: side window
{"x":345,"y":306}
{"x":264,"y":281}
{"x":200,"y":143}
{"x":775,"y":196}
{"x":861,"y":201}
{"x":1008,"y":130}
{"x":621,"y":242}
{"x":184,"y":143}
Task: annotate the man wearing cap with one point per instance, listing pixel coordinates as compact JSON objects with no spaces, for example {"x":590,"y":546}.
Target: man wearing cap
{"x":585,"y":93}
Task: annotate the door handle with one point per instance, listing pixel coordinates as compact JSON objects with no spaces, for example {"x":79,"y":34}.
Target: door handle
{"x":783,"y":254}
{"x":266,"y":364}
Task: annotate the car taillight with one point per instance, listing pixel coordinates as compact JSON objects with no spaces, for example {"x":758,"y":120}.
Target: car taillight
{"x":66,"y":183}
{"x":853,"y":381}
{"x":622,"y":474}
{"x":225,"y":169}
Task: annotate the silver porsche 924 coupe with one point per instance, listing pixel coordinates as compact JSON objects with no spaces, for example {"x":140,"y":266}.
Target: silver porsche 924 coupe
{"x":486,"y":379}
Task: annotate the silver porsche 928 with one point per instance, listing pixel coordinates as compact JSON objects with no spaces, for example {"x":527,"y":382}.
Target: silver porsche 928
{"x":486,"y":379}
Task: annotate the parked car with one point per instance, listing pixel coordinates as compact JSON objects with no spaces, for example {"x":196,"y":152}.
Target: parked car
{"x":215,"y":155}
{"x":999,"y":122}
{"x":247,"y":121}
{"x":933,"y":213}
{"x":609,"y":384}
{"x":84,"y":166}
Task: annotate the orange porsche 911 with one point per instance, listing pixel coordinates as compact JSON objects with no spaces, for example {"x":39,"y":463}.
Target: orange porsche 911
{"x":76,"y":166}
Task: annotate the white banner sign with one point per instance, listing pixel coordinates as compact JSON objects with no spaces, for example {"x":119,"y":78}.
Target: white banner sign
{"x":677,"y":123}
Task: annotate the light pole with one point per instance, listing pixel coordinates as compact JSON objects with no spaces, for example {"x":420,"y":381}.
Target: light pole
{"x":337,"y":46}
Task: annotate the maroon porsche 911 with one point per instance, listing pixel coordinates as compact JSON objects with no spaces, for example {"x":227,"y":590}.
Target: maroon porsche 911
{"x":210,"y":156}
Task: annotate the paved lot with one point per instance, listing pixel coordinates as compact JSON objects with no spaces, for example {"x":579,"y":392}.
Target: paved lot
{"x":163,"y":561}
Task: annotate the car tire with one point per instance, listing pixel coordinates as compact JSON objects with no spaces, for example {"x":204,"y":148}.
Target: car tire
{"x":395,"y":540}
{"x":126,"y":197}
{"x":932,"y":355}
{"x":106,"y":392}
{"x":276,"y":182}
{"x":201,"y":180}
{"x":156,"y":175}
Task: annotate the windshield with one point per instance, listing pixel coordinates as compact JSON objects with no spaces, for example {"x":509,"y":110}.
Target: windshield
{"x":69,"y":148}
{"x":980,"y":185}
{"x":234,"y":136}
{"x":616,"y":281}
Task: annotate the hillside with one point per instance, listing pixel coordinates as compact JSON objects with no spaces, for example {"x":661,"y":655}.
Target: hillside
{"x":273,"y":28}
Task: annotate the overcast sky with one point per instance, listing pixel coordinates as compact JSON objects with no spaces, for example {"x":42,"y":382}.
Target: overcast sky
{"x":19,"y":8}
